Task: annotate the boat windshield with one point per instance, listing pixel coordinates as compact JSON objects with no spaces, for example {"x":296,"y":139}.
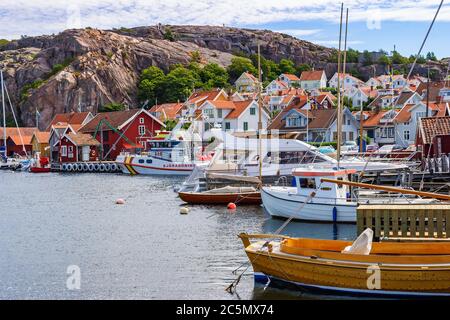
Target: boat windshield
{"x":300,"y":157}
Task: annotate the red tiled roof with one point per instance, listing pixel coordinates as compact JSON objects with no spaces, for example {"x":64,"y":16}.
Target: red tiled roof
{"x":200,"y":96}
{"x":431,"y":127}
{"x":239,"y":108}
{"x":167,"y":110}
{"x":404,"y":114}
{"x":311,"y":75}
{"x":82,"y":139}
{"x":70,"y":118}
{"x":291,"y":77}
{"x":374,"y":119}
{"x":14,"y":134}
{"x":42,"y":136}
{"x":115,"y":118}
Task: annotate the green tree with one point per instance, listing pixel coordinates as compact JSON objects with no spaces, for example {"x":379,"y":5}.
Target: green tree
{"x":151,"y":85}
{"x":397,"y":58}
{"x":3,"y":42}
{"x":110,"y":107}
{"x":431,"y":56}
{"x":384,"y":60}
{"x":168,"y":35}
{"x":179,"y":84}
{"x":286,"y":66}
{"x":302,"y":67}
{"x":213,"y":76}
{"x":367,"y":57}
{"x":352,"y":55}
{"x":238,"y":66}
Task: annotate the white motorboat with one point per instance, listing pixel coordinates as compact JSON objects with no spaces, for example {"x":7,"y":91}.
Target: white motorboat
{"x":329,"y":203}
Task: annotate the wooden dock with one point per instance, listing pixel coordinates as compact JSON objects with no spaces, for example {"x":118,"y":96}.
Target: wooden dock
{"x":405,"y":221}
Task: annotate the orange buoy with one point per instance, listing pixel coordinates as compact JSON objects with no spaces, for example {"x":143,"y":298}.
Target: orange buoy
{"x":120,"y":201}
{"x":231,"y":206}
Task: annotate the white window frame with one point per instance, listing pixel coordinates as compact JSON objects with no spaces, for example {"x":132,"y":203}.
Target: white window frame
{"x":141,"y":130}
{"x":63,"y":151}
{"x":141,"y":120}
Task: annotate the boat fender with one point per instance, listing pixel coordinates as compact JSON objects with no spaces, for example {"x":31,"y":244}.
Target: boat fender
{"x":101,"y":167}
{"x":107,"y":167}
{"x":184,"y":210}
{"x":69,"y":167}
{"x":79,"y":167}
{"x":96,"y":167}
{"x":231,"y":206}
{"x":85,"y":167}
{"x":334,"y":214}
{"x":90,"y":167}
{"x":120,"y":201}
{"x":64,"y":167}
{"x":113,"y":167}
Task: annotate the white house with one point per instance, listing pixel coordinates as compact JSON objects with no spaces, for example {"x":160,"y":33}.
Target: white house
{"x":407,"y":120}
{"x":348,"y":81}
{"x":246,"y":83}
{"x":373,"y":82}
{"x":361,"y":95}
{"x":276,"y":86}
{"x":236,"y":116}
{"x":313,"y":80}
{"x":290,"y":79}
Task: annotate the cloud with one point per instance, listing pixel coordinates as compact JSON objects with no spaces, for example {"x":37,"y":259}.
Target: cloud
{"x":44,"y":17}
{"x":300,"y":32}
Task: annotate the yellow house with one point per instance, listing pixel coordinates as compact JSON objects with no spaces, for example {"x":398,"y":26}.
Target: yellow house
{"x":39,"y":141}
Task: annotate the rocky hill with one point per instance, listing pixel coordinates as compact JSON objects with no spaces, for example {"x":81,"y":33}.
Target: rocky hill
{"x":83,"y":69}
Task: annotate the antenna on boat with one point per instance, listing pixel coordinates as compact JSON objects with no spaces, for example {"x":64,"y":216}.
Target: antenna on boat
{"x":4,"y":114}
{"x":339,"y":135}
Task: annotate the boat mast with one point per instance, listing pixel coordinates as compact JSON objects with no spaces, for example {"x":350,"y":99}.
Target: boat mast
{"x":339,"y":136}
{"x":4,"y":114}
{"x":259,"y":113}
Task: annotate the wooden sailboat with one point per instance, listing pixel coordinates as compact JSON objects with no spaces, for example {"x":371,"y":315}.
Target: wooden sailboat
{"x":320,"y":266}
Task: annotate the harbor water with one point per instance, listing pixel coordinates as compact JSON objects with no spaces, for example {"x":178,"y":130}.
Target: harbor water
{"x":144,"y":249}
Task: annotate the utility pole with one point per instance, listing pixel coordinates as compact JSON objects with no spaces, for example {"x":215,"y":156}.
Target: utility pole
{"x":4,"y":114}
{"x":428,"y":93}
{"x":259,"y":112}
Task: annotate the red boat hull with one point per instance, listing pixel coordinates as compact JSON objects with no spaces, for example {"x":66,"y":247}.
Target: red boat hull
{"x":39,"y":170}
{"x":248,"y":198}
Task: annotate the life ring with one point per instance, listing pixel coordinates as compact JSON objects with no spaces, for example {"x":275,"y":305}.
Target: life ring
{"x":90,"y":167}
{"x":107,"y":167}
{"x":96,"y":167}
{"x":64,"y":167}
{"x":101,"y":167}
{"x":85,"y":167}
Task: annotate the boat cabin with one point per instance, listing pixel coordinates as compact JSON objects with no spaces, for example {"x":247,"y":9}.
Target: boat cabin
{"x":308,"y":181}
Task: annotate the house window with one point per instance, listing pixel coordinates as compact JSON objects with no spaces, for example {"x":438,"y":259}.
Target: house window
{"x":293,"y":122}
{"x":209,"y":113}
{"x":245,"y":126}
{"x":334,"y":136}
{"x":406,"y":135}
{"x":64,"y":151}
{"x":219,"y":113}
{"x":141,"y":130}
{"x":227,"y":126}
{"x":252,"y":111}
{"x":351,"y":136}
{"x":141,"y":120}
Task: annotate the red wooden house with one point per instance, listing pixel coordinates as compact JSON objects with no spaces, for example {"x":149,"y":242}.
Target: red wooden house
{"x":433,"y":136}
{"x":18,"y":139}
{"x":122,"y":131}
{"x":76,"y":147}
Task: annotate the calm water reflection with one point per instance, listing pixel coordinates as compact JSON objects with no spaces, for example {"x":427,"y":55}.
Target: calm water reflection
{"x":143,"y":249}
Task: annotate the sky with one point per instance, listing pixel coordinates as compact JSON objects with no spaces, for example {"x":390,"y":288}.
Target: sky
{"x":373,"y":25}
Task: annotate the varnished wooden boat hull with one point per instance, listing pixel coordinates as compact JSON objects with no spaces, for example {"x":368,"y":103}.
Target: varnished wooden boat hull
{"x":250,"y":198}
{"x":328,"y":270}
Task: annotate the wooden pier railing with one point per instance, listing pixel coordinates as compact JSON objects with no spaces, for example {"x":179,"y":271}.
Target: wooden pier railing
{"x":405,"y":221}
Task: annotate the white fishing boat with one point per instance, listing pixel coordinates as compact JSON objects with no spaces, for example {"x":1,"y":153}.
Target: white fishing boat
{"x":175,"y":153}
{"x":313,"y":199}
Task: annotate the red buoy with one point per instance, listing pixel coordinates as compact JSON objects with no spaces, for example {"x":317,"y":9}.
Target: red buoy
{"x":231,"y":206}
